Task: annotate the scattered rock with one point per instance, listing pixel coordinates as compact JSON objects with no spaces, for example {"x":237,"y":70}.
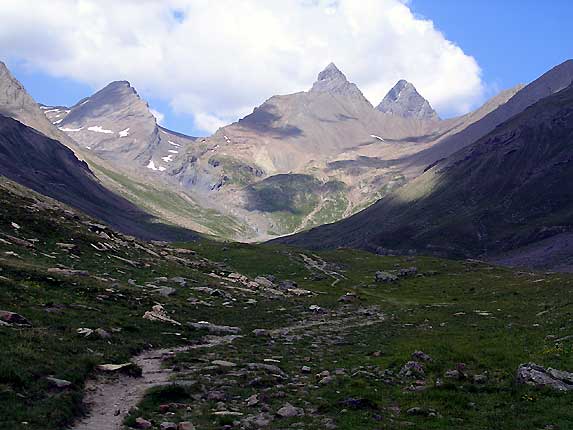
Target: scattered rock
{"x":216,"y":396}
{"x":126,"y":368}
{"x":265,"y":282}
{"x":102,"y":334}
{"x":67,"y":272}
{"x":185,"y":425}
{"x":166,"y":291}
{"x":158,"y":313}
{"x":270,"y":368}
{"x":422,"y":412}
{"x":348,"y":298}
{"x":287,"y":285}
{"x":142,"y":423}
{"x":58,"y":383}
{"x":253,"y":400}
{"x":452,"y":374}
{"x":223,"y":363}
{"x":13,"y":318}
{"x":84,"y":331}
{"x":385,"y":277}
{"x":327,"y":380}
{"x":410,"y":271}
{"x":168,"y":426}
{"x":328,"y":424}
{"x":18,"y":241}
{"x":260,"y":332}
{"x":305,"y":369}
{"x":179,"y":280}
{"x":228,"y":414}
{"x":289,"y":411}
{"x":262,"y":420}
{"x":315,"y":308}
{"x":412,"y":369}
{"x":213,"y":328}
{"x":299,"y":292}
{"x":539,"y":376}
{"x":66,"y":246}
{"x":421,"y":356}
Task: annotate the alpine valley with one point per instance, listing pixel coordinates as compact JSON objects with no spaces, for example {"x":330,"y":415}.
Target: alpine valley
{"x":322,"y":263}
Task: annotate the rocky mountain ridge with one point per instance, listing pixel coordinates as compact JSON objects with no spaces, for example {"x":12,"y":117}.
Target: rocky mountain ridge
{"x":251,"y":179}
{"x":496,"y":198}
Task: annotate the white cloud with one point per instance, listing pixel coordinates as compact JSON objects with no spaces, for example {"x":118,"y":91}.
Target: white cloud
{"x":217,"y":59}
{"x":159,"y":117}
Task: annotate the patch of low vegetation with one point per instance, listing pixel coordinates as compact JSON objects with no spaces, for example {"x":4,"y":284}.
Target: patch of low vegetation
{"x":297,"y":201}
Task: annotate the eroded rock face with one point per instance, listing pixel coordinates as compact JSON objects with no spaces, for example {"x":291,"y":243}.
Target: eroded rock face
{"x":539,"y":376}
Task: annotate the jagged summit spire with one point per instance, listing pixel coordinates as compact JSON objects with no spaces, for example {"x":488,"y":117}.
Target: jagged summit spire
{"x":332,"y":80}
{"x":119,"y":84}
{"x":331,"y":72}
{"x":405,"y":101}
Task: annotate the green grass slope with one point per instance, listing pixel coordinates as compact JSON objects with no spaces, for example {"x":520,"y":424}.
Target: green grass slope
{"x":491,"y":319}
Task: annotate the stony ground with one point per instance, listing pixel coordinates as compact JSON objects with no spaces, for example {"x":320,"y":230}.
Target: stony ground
{"x":100,"y":331}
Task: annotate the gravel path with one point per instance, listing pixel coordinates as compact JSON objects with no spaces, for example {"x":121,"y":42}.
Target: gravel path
{"x":109,"y":401}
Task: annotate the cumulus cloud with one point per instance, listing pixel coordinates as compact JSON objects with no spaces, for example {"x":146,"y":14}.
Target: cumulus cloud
{"x":216,"y":59}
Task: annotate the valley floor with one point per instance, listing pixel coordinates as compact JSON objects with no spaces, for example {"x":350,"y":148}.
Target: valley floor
{"x":437,"y":348}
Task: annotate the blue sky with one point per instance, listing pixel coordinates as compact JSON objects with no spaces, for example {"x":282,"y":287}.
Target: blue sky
{"x":512,"y":41}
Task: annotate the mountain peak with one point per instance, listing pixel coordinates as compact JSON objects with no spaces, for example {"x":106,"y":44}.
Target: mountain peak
{"x":331,"y":72}
{"x":331,"y":80}
{"x":118,"y":84}
{"x":405,"y":101}
{"x":119,"y":88}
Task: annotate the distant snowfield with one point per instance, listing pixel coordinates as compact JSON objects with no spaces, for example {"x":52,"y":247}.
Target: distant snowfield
{"x":100,"y":129}
{"x":151,"y":166}
{"x":173,"y":143}
{"x":70,"y":129}
{"x":124,"y":133}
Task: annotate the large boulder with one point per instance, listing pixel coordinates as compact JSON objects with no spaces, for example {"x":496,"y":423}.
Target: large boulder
{"x":12,"y":318}
{"x":539,"y":376}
